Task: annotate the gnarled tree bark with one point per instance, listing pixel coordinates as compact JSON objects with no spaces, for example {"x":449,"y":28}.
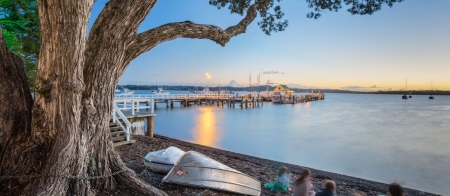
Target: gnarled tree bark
{"x":17,"y":147}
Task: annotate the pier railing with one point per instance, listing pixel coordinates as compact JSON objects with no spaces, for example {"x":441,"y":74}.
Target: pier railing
{"x":134,"y":104}
{"x":176,"y":96}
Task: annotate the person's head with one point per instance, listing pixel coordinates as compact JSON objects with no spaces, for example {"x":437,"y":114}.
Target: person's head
{"x":330,"y":185}
{"x":283,"y":170}
{"x":305,"y":174}
{"x":394,"y":189}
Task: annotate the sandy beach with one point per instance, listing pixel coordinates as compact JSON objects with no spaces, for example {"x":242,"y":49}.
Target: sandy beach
{"x":262,"y":169}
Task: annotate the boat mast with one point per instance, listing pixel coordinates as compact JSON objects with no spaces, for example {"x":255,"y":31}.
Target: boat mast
{"x":406,"y":86}
{"x":431,"y":88}
{"x":257,"y":82}
{"x":250,"y":81}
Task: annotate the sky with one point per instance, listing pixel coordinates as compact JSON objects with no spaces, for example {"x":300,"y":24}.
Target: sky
{"x":410,"y":40}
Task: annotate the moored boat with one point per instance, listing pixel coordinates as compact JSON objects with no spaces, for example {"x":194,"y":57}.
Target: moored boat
{"x":431,"y":96}
{"x":162,"y":160}
{"x":160,"y":91}
{"x":198,"y":170}
{"x":117,"y":90}
{"x":126,"y":92}
{"x":280,"y":92}
{"x":266,"y":96}
{"x":276,"y":97}
{"x":406,"y":88}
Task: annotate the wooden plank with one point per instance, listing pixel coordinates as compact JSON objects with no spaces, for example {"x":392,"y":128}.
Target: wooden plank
{"x":119,"y":138}
{"x":116,"y":133}
{"x":124,"y":142}
{"x":112,"y":129}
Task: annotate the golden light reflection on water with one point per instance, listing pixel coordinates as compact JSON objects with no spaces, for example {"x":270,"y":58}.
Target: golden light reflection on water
{"x":307,"y":104}
{"x":205,"y":132}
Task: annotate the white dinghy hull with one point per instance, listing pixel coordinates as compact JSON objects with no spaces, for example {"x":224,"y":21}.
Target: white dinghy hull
{"x":195,"y":169}
{"x":162,"y":161}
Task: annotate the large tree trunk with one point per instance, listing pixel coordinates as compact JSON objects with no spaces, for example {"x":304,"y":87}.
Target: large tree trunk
{"x":69,"y":134}
{"x":59,"y":85}
{"x":72,"y":120}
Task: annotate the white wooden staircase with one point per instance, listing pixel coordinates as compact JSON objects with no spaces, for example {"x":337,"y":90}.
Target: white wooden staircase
{"x":132,"y":106}
{"x":120,"y":128}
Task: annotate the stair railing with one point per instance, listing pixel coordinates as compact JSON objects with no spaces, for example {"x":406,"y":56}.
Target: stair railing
{"x":116,"y":114}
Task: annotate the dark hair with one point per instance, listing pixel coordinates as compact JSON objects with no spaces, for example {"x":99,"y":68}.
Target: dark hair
{"x":330,"y":185}
{"x":394,"y":189}
{"x":303,"y":174}
{"x":282,"y":170}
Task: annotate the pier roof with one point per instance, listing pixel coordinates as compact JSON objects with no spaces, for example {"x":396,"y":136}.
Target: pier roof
{"x":282,"y":87}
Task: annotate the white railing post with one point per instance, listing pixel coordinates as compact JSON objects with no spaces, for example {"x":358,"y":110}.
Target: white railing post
{"x":113,"y":114}
{"x":132,"y":107}
{"x":137,"y":105}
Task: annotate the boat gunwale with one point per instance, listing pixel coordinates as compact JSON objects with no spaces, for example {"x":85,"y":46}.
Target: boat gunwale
{"x":159,"y":163}
{"x":243,"y":185}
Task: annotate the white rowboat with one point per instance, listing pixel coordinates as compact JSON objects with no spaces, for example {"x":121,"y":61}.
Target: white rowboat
{"x":195,"y":169}
{"x":162,"y":160}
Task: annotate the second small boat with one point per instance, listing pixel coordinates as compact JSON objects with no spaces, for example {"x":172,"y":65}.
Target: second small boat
{"x":162,"y":161}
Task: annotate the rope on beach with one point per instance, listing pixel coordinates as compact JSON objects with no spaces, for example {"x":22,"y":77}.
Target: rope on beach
{"x":156,"y":180}
{"x":66,"y":176}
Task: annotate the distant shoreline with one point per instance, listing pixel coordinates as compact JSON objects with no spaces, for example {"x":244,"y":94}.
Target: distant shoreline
{"x":297,"y":90}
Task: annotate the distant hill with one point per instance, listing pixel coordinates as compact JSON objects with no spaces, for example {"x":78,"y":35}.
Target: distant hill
{"x":233,"y":83}
{"x":298,"y":86}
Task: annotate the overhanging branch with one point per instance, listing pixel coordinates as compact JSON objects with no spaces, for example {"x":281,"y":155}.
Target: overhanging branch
{"x":151,"y":38}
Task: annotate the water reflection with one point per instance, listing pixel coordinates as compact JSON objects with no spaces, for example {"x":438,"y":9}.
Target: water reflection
{"x":205,"y":132}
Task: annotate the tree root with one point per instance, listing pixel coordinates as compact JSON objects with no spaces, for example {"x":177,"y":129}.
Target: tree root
{"x":128,"y":180}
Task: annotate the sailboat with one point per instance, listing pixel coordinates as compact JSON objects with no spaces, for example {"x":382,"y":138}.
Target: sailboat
{"x":267,"y":95}
{"x":431,"y":96}
{"x":406,"y":87}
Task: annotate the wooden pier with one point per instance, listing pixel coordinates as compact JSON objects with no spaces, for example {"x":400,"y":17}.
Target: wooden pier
{"x":130,"y":111}
{"x":302,"y":98}
{"x":230,"y":100}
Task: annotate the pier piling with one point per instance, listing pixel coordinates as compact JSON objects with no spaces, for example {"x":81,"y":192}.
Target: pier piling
{"x":150,"y":126}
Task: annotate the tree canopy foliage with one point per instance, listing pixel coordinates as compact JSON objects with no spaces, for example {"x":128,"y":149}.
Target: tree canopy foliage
{"x":271,"y":13}
{"x":19,"y":20}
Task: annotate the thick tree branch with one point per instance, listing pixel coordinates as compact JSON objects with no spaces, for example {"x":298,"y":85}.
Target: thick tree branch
{"x":151,"y":38}
{"x":112,"y":32}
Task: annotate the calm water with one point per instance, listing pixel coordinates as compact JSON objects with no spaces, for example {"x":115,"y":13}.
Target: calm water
{"x":377,"y":137}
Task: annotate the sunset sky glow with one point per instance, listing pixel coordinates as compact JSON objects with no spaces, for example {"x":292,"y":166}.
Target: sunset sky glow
{"x":411,"y":39}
